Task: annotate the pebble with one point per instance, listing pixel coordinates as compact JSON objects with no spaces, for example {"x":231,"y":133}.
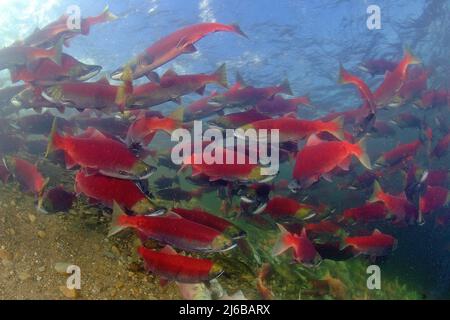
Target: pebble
{"x":32,"y":218}
{"x":69,"y":293}
{"x":5,"y":255}
{"x":41,"y":234}
{"x":41,"y":269}
{"x":23,"y":276}
{"x":61,"y":267}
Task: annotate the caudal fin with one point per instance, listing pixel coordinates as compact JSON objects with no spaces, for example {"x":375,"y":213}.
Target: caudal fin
{"x":238,"y":30}
{"x":57,"y":52}
{"x":126,"y":89}
{"x":40,"y":197}
{"x":362,"y":155}
{"x":221,"y":75}
{"x":281,"y":245}
{"x":54,"y":139}
{"x":115,"y":227}
{"x":376,"y":191}
{"x":410,"y":58}
{"x":337,"y":128}
{"x":285,"y":87}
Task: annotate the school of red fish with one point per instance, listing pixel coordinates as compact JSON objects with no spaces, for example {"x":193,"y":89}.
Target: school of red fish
{"x":106,"y":140}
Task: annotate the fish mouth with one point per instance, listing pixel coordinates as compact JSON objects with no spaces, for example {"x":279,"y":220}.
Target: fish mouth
{"x":92,"y":72}
{"x":117,"y":75}
{"x":247,"y":200}
{"x":49,"y":98}
{"x":16,"y":102}
{"x":260,"y":209}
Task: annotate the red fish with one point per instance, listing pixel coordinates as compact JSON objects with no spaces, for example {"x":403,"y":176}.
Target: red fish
{"x":212,"y":221}
{"x":107,"y":190}
{"x":441,"y":148}
{"x":304,"y":251}
{"x":433,"y":199}
{"x":235,"y":171}
{"x":179,"y":268}
{"x":378,"y":66}
{"x":60,"y":29}
{"x":193,"y":82}
{"x":174,"y":230}
{"x":16,"y":56}
{"x":399,"y":154}
{"x":236,"y":120}
{"x":250,"y":96}
{"x":91,"y":95}
{"x":291,"y":129}
{"x":413,"y":87}
{"x":168,"y":48}
{"x":28,"y":176}
{"x":202,"y":107}
{"x":95,"y":151}
{"x":398,"y":205}
{"x":280,"y":106}
{"x":323,"y":227}
{"x":279,"y":207}
{"x":376,"y":245}
{"x":367,"y":213}
{"x":319,"y":158}
{"x":143,"y":129}
{"x":393,"y":81}
{"x":48,"y":72}
{"x":347,"y":78}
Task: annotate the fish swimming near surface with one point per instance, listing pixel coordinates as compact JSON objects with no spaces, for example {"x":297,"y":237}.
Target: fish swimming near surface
{"x":168,"y":48}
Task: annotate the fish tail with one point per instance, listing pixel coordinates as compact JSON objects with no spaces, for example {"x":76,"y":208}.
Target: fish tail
{"x":55,"y":140}
{"x":56,"y":52}
{"x":376,"y":191}
{"x":344,"y":76}
{"x":177,"y":115}
{"x":304,"y":100}
{"x":126,"y":89}
{"x":103,"y":17}
{"x":40,"y":198}
{"x":336,"y":128}
{"x":362,"y":155}
{"x":410,"y":58}
{"x":236,"y":28}
{"x":221,"y":75}
{"x":115,"y":227}
{"x":107,"y":15}
{"x":281,"y":245}
{"x":285,"y":87}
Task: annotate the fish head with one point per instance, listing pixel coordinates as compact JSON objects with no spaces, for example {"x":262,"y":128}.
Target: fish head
{"x":53,"y":94}
{"x":142,"y":206}
{"x":222,"y":243}
{"x":84,"y":72}
{"x":142,"y":170}
{"x":215,"y":271}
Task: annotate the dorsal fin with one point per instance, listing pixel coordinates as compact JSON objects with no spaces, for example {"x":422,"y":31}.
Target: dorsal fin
{"x":169,"y":73}
{"x":313,"y":141}
{"x":103,"y":80}
{"x":376,"y":231}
